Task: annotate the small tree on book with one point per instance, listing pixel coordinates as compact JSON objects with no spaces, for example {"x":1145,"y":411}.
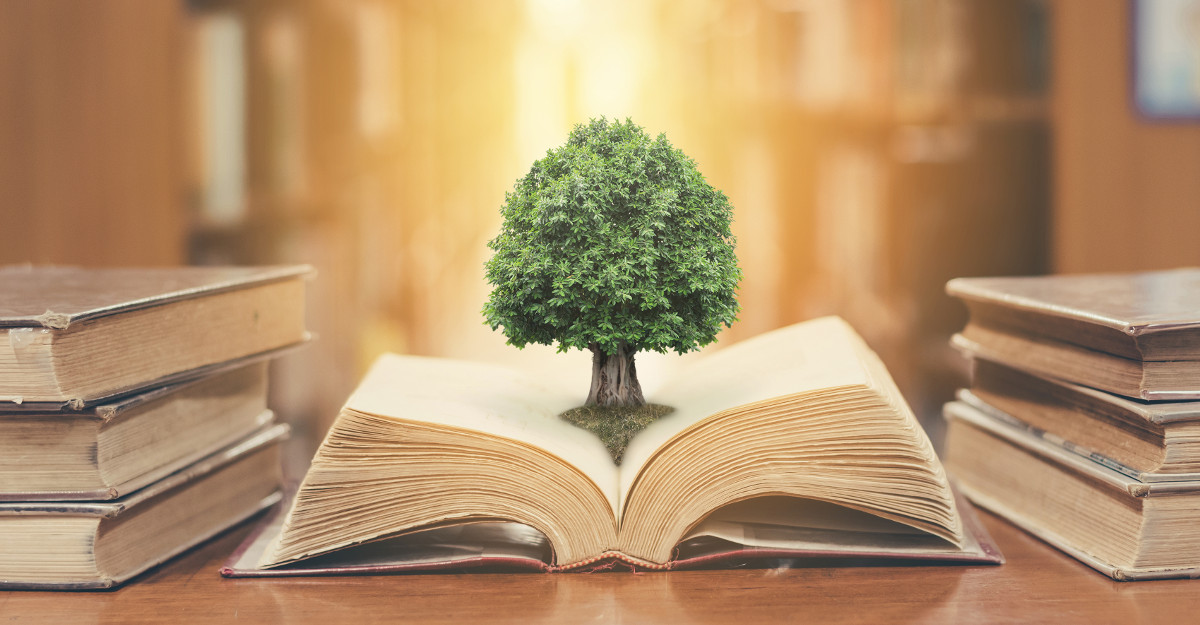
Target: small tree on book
{"x":614,"y":242}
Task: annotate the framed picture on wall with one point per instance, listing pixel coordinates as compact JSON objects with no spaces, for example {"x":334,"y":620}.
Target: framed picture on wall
{"x":1166,"y":58}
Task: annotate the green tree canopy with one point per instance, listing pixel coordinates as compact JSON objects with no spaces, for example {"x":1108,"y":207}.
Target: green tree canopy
{"x":613,"y":242}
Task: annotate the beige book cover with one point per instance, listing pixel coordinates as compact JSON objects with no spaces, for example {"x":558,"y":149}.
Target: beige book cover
{"x":77,"y":545}
{"x":1135,"y":334}
{"x":111,"y":450}
{"x":1122,"y":527}
{"x":76,"y":337}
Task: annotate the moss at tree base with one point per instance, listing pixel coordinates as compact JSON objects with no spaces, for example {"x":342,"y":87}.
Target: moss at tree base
{"x":616,"y":425}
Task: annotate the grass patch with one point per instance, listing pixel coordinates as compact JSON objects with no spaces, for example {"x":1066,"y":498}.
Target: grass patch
{"x":616,"y":425}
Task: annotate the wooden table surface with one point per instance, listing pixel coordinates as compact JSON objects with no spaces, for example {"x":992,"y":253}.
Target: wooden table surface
{"x":1038,"y":584}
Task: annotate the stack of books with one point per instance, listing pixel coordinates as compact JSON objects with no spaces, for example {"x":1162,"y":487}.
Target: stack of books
{"x":133,"y":413}
{"x":1082,"y":422}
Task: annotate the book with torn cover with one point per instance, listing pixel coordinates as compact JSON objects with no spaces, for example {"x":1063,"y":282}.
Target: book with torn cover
{"x":1133,"y":334}
{"x":795,"y":443}
{"x":78,"y":337}
{"x":76,"y":545}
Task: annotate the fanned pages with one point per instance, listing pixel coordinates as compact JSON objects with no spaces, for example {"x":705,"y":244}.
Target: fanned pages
{"x":803,"y":414}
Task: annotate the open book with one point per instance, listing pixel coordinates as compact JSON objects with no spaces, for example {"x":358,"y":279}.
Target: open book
{"x":796,"y":441}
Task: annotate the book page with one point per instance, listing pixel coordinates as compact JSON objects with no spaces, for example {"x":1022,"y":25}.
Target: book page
{"x":799,"y":513}
{"x":808,"y":525}
{"x":819,"y":354}
{"x":488,"y":399}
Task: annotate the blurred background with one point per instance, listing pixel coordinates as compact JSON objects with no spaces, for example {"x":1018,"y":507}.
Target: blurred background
{"x":873,"y":149}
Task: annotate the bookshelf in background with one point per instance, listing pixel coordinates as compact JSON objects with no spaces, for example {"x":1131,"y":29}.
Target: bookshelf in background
{"x":872,"y":149}
{"x":89,"y":122}
{"x":1125,"y":185}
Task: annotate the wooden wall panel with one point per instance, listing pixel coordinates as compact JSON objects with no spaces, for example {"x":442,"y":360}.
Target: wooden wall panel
{"x":1127,"y":190}
{"x":90,"y":139}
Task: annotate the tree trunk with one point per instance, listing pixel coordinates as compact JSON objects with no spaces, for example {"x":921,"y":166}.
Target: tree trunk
{"x":614,"y":378}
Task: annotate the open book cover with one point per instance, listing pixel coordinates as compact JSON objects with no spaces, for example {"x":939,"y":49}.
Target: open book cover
{"x":794,"y":443}
{"x":495,"y":546}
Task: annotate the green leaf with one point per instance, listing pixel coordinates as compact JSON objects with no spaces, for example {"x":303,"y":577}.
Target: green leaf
{"x":613,"y":237}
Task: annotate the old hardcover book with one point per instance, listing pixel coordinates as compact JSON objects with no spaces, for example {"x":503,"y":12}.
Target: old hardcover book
{"x":74,"y":545}
{"x":1148,"y":441}
{"x":113,"y":449}
{"x":71,"y":336}
{"x":1136,"y":335}
{"x":1125,"y":528}
{"x":795,"y":442}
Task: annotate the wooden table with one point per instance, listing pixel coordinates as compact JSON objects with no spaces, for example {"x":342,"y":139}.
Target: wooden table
{"x":1038,"y":584}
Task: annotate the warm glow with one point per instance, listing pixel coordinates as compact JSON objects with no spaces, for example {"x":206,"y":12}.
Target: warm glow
{"x":838,"y":129}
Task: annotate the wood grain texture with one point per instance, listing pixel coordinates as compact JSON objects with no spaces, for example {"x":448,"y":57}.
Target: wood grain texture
{"x":1037,"y":584}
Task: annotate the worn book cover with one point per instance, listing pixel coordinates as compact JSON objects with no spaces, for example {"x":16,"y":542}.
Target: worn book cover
{"x":1134,"y":334}
{"x":77,"y":337}
{"x":110,"y":450}
{"x":1122,"y":527}
{"x":75,"y":545}
{"x":1149,"y":441}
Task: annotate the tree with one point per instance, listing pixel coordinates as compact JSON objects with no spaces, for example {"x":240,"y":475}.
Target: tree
{"x":613,"y":242}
